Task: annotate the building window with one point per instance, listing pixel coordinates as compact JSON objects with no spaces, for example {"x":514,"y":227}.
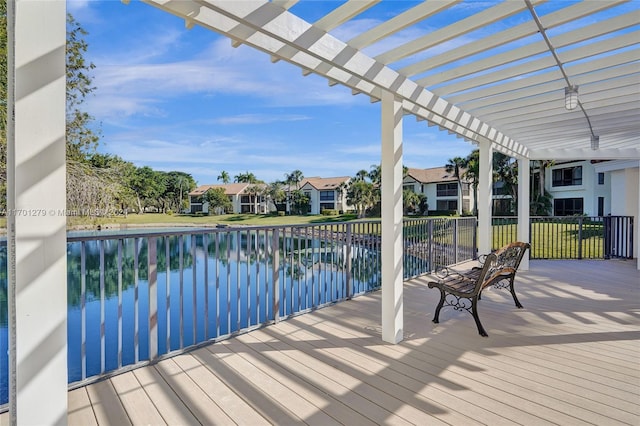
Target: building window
{"x":569,"y":176}
{"x":502,"y":207}
{"x":447,"y":205}
{"x":600,"y":178}
{"x":447,"y":190}
{"x":408,"y":187}
{"x":465,"y":189}
{"x":600,"y":206}
{"x":327,"y":206}
{"x":245,"y":199}
{"x":499,"y":188}
{"x":568,"y":206}
{"x":327,"y":195}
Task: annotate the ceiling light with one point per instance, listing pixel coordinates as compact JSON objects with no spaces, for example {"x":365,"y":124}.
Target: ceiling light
{"x":595,"y":142}
{"x":571,"y":97}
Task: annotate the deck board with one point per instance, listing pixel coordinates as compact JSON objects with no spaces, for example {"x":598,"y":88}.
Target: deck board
{"x":167,"y":402}
{"x":569,"y":357}
{"x":106,"y":404}
{"x":135,"y":400}
{"x":80,"y":411}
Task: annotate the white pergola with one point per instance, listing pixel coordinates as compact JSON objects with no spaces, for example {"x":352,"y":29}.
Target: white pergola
{"x":501,"y":85}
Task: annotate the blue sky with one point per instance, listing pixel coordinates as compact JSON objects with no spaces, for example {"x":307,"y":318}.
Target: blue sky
{"x":178,"y":99}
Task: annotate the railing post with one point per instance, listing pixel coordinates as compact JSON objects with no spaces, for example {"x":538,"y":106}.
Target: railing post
{"x":275,"y":249}
{"x":348,"y":261}
{"x":103,"y":348}
{"x":631,"y":234}
{"x":475,"y":238}
{"x":455,"y":240}
{"x":580,"y":225}
{"x":153,"y":298}
{"x":607,"y":237}
{"x":430,"y":244}
{"x":83,"y":306}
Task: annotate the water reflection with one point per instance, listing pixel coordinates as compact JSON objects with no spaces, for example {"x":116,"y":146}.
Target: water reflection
{"x":208,"y":285}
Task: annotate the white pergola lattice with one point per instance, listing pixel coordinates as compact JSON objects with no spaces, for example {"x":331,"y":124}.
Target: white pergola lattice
{"x":500,"y":85}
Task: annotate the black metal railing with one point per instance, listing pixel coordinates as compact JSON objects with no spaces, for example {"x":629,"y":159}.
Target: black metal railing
{"x":140,"y":295}
{"x":571,"y":237}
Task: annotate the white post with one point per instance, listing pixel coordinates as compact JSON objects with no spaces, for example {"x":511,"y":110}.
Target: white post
{"x":523,"y":207}
{"x":36,"y":222}
{"x":485,"y":197}
{"x":637,"y":222}
{"x":392,"y":270}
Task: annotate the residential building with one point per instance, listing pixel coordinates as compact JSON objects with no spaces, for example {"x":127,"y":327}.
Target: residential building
{"x":578,"y":188}
{"x":623,"y":175}
{"x":242,"y":200}
{"x":441,"y":189}
{"x":326,"y":193}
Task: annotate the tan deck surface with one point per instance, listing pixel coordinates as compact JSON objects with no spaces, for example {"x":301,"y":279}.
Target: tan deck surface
{"x":570,"y":357}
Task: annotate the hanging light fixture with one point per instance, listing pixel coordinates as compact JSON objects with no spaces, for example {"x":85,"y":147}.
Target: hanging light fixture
{"x":571,"y":97}
{"x":595,"y":142}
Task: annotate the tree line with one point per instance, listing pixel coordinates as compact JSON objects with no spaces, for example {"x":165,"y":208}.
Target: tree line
{"x":96,"y":183}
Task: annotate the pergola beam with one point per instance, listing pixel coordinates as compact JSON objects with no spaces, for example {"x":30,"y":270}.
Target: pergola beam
{"x":606,"y":68}
{"x":456,"y":29}
{"x":495,"y":61}
{"x":343,"y":13}
{"x":410,"y":17}
{"x":530,"y":97}
{"x":494,"y":96}
{"x":278,"y":32}
{"x":526,"y":29}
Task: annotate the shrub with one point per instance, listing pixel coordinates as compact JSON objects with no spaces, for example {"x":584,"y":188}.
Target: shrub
{"x":329,"y":212}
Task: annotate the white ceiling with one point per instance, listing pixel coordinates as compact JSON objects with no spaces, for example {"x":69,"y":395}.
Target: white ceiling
{"x":480,"y":70}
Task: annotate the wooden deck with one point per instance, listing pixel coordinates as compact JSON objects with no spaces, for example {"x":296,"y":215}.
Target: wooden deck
{"x":569,"y":357}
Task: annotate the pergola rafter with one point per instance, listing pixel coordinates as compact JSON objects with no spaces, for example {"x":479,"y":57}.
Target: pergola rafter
{"x":269,"y":28}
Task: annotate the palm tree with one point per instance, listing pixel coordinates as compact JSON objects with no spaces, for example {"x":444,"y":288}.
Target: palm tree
{"x":542,"y":166}
{"x":455,"y":166}
{"x":274,"y":192}
{"x":472,"y":174}
{"x":253,"y":191}
{"x":247,"y":177}
{"x":506,"y":171}
{"x":293,"y":178}
{"x":363,"y":174}
{"x":224,"y":177}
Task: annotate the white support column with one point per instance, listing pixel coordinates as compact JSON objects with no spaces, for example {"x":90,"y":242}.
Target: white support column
{"x":637,"y":222}
{"x":485,"y":197}
{"x":392,"y":270}
{"x":523,"y":207}
{"x":36,"y":223}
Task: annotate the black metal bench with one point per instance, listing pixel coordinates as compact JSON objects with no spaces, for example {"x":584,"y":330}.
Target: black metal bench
{"x":462,"y":290}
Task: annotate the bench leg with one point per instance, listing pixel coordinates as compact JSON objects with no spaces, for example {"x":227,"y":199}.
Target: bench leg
{"x":513,"y":293}
{"x":474,"y":312}
{"x":436,"y":315}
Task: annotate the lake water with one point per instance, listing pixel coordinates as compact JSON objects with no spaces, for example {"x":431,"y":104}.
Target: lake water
{"x":207,"y":286}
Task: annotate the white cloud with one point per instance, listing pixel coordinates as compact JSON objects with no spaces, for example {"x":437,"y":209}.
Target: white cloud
{"x":258,"y":119}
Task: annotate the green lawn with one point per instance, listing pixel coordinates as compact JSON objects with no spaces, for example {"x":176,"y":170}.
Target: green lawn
{"x":159,"y":219}
{"x":549,"y":240}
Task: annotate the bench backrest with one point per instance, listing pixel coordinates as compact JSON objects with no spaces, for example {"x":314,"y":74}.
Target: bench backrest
{"x":511,"y":255}
{"x":502,"y":264}
{"x":490,"y":270}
